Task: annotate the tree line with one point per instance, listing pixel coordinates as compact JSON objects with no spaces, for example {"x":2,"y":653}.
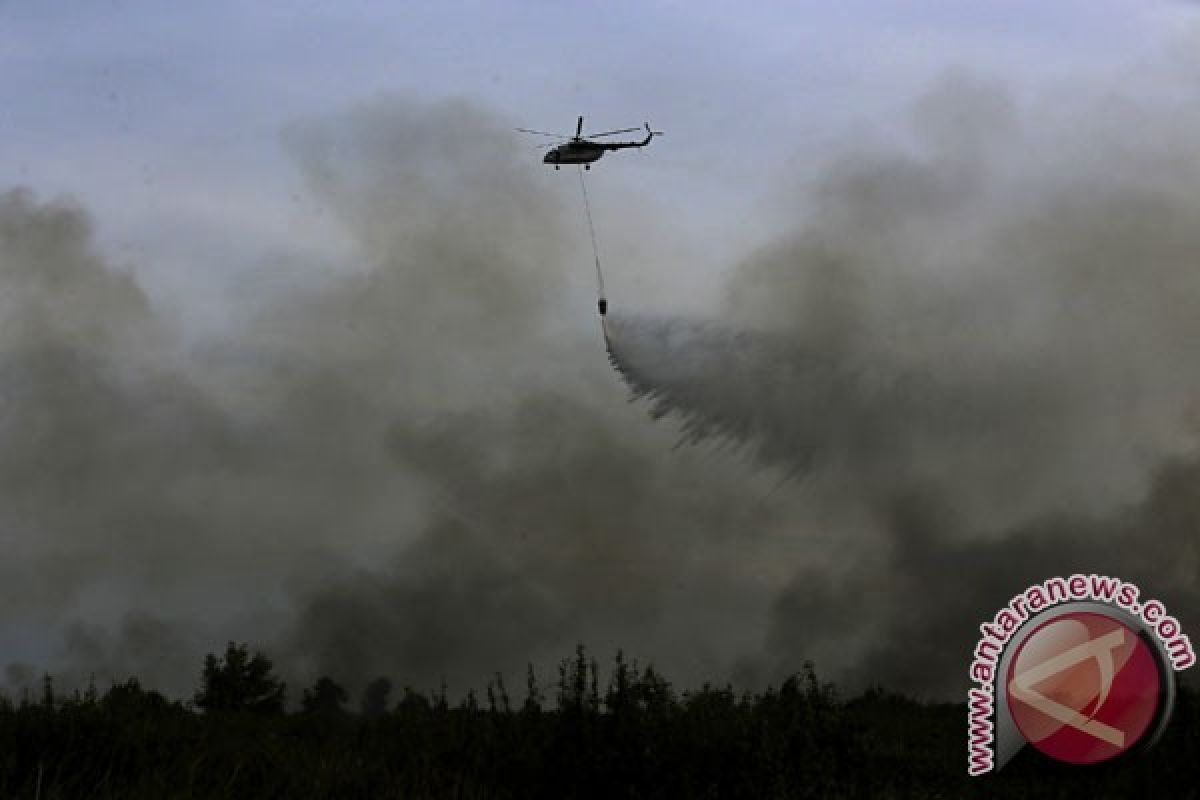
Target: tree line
{"x":625,"y":731}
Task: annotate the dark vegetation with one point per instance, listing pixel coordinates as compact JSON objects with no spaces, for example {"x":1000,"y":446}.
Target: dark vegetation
{"x":625,"y":733}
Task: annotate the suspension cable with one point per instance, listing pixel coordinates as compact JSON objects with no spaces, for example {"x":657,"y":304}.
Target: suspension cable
{"x":601,"y":299}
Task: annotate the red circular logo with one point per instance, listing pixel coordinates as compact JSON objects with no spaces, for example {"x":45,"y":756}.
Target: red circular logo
{"x":1084,"y":687}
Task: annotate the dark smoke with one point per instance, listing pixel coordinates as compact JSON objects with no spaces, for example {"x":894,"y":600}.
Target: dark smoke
{"x":985,"y":350}
{"x":1024,"y":338}
{"x":922,"y":596}
{"x":974,"y":357}
{"x":419,"y":469}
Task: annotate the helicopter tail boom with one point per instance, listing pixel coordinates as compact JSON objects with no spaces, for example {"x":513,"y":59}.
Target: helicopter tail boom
{"x":650,"y":134}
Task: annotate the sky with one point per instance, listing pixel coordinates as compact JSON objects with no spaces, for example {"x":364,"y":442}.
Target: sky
{"x":167,"y":122}
{"x":300,"y":348}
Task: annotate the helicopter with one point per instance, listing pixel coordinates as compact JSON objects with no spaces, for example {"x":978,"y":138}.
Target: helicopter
{"x":579,"y":149}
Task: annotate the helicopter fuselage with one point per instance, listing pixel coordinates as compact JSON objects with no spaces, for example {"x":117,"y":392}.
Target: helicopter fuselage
{"x":581,"y":152}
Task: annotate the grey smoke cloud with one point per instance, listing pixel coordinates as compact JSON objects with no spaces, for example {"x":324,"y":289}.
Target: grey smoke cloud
{"x":985,"y":347}
{"x":1014,"y":303}
{"x":420,"y":468}
{"x":943,"y":380}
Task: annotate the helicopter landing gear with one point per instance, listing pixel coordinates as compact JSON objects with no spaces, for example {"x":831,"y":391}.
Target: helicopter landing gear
{"x":556,"y":166}
{"x":587,"y":166}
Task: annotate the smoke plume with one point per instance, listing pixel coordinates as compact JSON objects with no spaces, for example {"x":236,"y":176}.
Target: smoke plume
{"x":962,"y":364}
{"x":982,"y":351}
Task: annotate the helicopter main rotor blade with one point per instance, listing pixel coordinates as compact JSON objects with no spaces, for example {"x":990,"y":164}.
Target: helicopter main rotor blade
{"x":543,"y":133}
{"x":611,"y":133}
{"x":579,"y":128}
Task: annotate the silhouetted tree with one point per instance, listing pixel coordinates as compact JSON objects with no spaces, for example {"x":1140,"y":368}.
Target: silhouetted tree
{"x":573,"y":682}
{"x":593,"y":699}
{"x":130,"y":698}
{"x":533,"y":696}
{"x":239,"y":682}
{"x":441,"y":701}
{"x":413,"y":704}
{"x":498,"y":695}
{"x":653,"y":691}
{"x":618,"y":698}
{"x":375,"y":697}
{"x":325,"y":698}
{"x":801,"y":739}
